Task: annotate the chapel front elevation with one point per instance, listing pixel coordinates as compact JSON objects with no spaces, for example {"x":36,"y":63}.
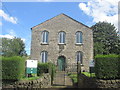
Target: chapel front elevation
{"x":62,"y":41}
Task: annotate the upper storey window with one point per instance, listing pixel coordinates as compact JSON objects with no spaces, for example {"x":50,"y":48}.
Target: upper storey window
{"x":45,"y":37}
{"x":61,"y":37}
{"x":79,"y":38}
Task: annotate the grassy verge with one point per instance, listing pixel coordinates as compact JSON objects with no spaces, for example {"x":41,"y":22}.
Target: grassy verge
{"x":73,"y":76}
{"x":89,"y":74}
{"x":30,"y":78}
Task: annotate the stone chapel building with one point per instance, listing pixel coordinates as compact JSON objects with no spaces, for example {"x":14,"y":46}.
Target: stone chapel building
{"x":62,"y":41}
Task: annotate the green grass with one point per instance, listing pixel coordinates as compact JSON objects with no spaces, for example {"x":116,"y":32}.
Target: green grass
{"x":30,"y":78}
{"x":73,"y":76}
{"x":88,"y":74}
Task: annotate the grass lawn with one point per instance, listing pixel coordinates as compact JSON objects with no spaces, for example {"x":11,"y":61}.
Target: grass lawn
{"x":73,"y":76}
{"x":33,"y":77}
{"x":89,"y":74}
{"x":30,"y":78}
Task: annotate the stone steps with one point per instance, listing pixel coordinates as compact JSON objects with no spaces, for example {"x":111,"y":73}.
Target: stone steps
{"x":62,"y":80}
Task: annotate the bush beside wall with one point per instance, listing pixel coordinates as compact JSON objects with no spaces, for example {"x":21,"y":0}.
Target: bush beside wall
{"x":13,"y":68}
{"x":107,"y":66}
{"x":46,"y":68}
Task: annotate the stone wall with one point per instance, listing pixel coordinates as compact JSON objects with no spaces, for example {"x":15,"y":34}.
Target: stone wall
{"x":88,"y":82}
{"x":42,"y":82}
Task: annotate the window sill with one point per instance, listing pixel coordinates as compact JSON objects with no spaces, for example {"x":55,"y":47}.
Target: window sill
{"x":44,"y":43}
{"x":81,"y":64}
{"x":61,"y":44}
{"x":78,"y":44}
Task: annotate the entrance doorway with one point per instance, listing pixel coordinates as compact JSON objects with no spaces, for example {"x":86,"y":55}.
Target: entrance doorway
{"x":61,"y":63}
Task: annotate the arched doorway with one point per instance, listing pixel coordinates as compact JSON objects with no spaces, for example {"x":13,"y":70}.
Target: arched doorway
{"x":61,"y":63}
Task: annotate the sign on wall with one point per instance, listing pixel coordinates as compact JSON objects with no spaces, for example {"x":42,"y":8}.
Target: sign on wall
{"x":32,"y":63}
{"x":31,"y":66}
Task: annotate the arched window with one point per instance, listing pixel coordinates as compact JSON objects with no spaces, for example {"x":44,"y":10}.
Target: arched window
{"x":79,"y":57}
{"x":61,"y":37}
{"x":79,"y":37}
{"x":45,"y":37}
{"x":44,"y":56}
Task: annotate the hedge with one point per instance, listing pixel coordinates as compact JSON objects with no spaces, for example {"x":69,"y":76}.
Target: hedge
{"x":45,"y":67}
{"x":42,"y":68}
{"x":13,"y":68}
{"x":107,"y":66}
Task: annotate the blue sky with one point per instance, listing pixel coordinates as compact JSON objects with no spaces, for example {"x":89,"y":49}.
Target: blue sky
{"x":20,"y":17}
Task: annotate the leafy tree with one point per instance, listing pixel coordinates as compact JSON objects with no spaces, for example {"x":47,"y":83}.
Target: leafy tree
{"x":13,"y":47}
{"x":106,"y":39}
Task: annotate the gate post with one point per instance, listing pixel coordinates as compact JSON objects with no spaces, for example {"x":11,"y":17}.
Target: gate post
{"x":78,"y":70}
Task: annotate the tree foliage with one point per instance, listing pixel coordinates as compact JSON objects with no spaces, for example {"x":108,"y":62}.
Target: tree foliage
{"x":106,"y":39}
{"x":13,"y":47}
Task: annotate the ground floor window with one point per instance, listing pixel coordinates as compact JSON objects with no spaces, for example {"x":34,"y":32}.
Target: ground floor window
{"x":44,"y":56}
{"x":79,"y":56}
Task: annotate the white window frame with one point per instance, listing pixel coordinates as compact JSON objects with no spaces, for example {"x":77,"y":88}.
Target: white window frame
{"x":79,"y":37}
{"x":79,"y":57}
{"x":62,"y":37}
{"x":44,"y":56}
{"x":45,"y":37}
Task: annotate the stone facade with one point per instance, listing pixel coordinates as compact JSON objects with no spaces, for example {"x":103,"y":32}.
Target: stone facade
{"x":70,"y":26}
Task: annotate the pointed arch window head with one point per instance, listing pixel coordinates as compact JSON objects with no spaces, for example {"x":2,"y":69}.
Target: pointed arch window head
{"x":79,"y":57}
{"x":45,"y":37}
{"x":62,"y":37}
{"x":79,"y":37}
{"x":44,"y":56}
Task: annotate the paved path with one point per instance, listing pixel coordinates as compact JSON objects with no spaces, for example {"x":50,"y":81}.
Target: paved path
{"x":62,"y":80}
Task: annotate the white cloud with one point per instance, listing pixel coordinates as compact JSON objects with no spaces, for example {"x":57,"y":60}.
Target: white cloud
{"x":23,"y":39}
{"x":7,"y":36}
{"x":10,"y":37}
{"x":101,"y":10}
{"x":7,"y":17}
{"x":11,"y":34}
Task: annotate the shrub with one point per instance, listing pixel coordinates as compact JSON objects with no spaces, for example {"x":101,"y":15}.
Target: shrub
{"x":89,"y":74}
{"x":107,"y":66}
{"x":46,"y":68}
{"x":52,"y":71}
{"x":73,"y":76}
{"x":42,"y":68}
{"x":13,"y":68}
